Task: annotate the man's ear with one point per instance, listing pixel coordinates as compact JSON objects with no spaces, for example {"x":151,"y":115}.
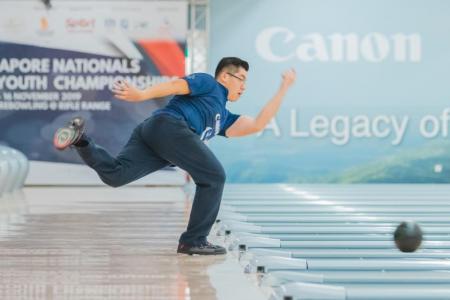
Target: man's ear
{"x":222,"y":77}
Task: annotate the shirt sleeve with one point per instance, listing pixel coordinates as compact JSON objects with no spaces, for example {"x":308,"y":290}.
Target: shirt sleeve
{"x":229,"y":120}
{"x":200,"y":83}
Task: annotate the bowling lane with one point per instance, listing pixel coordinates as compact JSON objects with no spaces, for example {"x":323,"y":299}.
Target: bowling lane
{"x":337,"y":242}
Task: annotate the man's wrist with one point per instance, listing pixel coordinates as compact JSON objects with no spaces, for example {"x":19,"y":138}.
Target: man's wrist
{"x":284,"y":87}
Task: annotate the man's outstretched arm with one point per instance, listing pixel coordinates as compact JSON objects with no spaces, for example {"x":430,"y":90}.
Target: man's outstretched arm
{"x":246,"y":125}
{"x":127,"y":92}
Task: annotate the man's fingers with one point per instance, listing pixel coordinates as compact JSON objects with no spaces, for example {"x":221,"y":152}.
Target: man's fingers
{"x":117,"y":86}
{"x":290,"y":72}
{"x":121,"y":84}
{"x":124,"y":84}
{"x":121,"y":87}
{"x":119,"y":92}
{"x":289,"y":76}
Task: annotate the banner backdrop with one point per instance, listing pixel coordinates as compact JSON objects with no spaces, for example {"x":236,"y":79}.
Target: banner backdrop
{"x":371,"y":102}
{"x":62,"y":62}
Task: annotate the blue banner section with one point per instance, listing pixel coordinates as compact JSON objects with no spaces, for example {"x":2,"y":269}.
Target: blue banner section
{"x":42,"y":88}
{"x":62,"y":62}
{"x":371,"y":100}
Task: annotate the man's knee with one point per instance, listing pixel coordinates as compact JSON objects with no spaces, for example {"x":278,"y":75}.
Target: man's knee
{"x":212,"y":175}
{"x":218,"y":176}
{"x":222,"y":176}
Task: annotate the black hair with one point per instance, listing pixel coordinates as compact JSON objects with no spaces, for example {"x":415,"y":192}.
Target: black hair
{"x":233,"y":62}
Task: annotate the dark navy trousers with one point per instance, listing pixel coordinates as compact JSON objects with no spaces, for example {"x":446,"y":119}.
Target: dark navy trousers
{"x":157,"y":142}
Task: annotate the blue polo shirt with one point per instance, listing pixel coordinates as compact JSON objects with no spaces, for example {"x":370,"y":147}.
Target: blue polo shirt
{"x":203,"y":108}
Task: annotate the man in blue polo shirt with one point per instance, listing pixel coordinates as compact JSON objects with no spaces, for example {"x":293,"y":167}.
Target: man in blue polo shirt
{"x":175,"y":135}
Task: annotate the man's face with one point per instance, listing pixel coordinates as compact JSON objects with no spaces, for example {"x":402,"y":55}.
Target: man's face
{"x":235,"y":83}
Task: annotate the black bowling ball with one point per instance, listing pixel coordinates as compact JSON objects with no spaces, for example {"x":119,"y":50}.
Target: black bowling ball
{"x":408,"y":236}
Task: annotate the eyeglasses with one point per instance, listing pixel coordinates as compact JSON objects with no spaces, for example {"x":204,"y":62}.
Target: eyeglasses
{"x":240,"y":79}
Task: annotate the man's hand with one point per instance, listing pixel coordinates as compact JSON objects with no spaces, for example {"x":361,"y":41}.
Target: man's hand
{"x":124,"y":91}
{"x":288,"y":78}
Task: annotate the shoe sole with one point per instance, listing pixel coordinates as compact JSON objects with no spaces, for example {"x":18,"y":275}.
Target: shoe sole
{"x":203,"y":253}
{"x":63,"y":138}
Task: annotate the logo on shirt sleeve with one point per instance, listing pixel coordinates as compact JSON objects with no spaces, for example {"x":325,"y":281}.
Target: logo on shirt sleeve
{"x":207,"y":134}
